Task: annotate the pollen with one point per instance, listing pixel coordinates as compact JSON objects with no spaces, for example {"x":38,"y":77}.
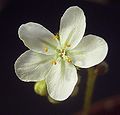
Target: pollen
{"x":56,"y":36}
{"x":53,"y":62}
{"x":69,"y":60}
{"x":68,"y":45}
{"x":46,"y":49}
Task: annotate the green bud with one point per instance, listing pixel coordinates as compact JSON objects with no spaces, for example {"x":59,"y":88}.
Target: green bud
{"x":40,"y":88}
{"x":101,"y":68}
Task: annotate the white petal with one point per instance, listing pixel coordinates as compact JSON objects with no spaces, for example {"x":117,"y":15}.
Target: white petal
{"x":31,"y":66}
{"x":72,"y":26}
{"x":61,"y":80}
{"x":37,"y":38}
{"x":90,"y":51}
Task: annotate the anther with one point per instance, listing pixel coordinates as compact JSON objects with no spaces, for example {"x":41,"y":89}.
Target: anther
{"x":69,"y":60}
{"x":53,"y":62}
{"x":62,"y":51}
{"x":56,"y":36}
{"x":46,"y":49}
{"x":68,"y":45}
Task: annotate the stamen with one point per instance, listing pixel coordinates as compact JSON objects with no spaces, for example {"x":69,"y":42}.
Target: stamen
{"x":46,"y":49}
{"x":69,"y":60}
{"x":68,"y":45}
{"x":53,"y":62}
{"x":62,"y":53}
{"x":56,"y":36}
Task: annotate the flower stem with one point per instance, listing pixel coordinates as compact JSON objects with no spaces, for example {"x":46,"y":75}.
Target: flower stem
{"x":89,"y":90}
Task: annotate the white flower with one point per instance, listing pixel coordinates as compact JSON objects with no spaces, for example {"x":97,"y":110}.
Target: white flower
{"x":53,"y":57}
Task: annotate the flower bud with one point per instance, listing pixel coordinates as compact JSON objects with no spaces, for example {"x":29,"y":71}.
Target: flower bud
{"x":52,"y":100}
{"x":101,"y":68}
{"x":40,"y":88}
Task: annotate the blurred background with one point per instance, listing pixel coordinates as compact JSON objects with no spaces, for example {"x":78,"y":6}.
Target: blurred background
{"x":19,"y":98}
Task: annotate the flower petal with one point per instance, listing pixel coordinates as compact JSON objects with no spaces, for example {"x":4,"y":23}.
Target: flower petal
{"x":90,"y":51}
{"x":61,"y":80}
{"x":31,"y":66}
{"x":72,"y":27}
{"x":37,"y":38}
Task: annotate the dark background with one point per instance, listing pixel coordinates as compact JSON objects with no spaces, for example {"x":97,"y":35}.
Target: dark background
{"x":17,"y":97}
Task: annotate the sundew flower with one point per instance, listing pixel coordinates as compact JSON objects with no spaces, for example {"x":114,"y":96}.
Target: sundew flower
{"x":54,"y":58}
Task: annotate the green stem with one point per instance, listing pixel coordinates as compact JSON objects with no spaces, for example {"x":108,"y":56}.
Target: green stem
{"x":89,"y":90}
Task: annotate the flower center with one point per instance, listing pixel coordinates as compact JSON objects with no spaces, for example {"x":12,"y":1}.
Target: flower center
{"x":63,"y":54}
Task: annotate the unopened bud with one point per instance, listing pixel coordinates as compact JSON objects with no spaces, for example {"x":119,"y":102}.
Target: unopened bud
{"x":52,"y":100}
{"x":101,"y":68}
{"x":40,"y":88}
